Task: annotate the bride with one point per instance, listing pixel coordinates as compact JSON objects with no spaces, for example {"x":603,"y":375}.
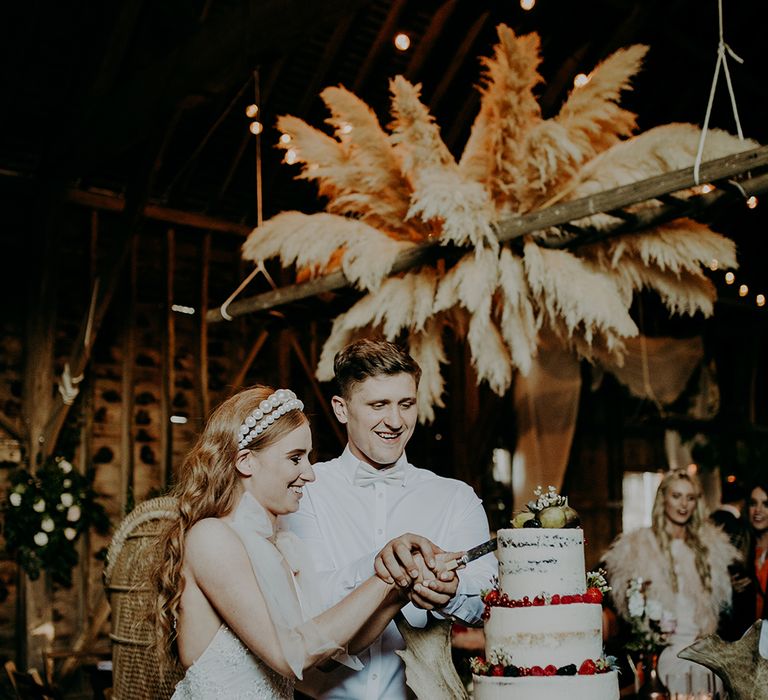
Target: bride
{"x":234,"y":594}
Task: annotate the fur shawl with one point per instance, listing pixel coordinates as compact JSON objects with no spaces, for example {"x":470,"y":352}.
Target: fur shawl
{"x":638,"y":553}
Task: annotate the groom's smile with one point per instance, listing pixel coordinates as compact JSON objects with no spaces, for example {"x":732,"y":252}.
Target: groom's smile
{"x":380,"y":414}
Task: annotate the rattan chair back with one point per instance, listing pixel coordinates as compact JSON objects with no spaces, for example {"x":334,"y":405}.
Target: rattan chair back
{"x":131,"y":557}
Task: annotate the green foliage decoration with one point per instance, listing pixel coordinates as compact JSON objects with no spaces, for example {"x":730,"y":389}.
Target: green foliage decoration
{"x":44,"y":513}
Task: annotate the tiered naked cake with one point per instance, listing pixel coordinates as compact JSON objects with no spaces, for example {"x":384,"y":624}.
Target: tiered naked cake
{"x":543,"y":624}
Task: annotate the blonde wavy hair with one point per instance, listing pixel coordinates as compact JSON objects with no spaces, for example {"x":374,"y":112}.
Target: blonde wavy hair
{"x":208,"y":486}
{"x":692,"y":527}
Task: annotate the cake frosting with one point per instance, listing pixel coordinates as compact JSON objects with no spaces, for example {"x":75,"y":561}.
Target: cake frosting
{"x":543,"y":624}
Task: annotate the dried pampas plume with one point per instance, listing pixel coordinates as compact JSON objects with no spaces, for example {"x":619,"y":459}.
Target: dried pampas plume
{"x":386,"y":190}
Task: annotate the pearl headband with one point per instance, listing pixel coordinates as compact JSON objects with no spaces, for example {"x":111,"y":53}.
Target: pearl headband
{"x":269,"y":410}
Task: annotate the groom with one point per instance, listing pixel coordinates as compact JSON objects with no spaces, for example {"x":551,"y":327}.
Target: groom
{"x":361,"y":501}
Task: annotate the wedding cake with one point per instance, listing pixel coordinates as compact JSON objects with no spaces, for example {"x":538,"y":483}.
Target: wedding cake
{"x":543,"y":620}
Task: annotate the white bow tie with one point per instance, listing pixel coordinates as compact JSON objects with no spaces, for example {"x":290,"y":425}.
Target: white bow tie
{"x":366,"y":475}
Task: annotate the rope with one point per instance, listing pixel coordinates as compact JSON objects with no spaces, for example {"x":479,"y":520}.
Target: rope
{"x":68,"y":385}
{"x":722,"y":60}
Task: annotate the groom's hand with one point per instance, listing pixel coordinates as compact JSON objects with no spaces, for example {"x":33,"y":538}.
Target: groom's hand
{"x":396,"y":561}
{"x":429,"y":592}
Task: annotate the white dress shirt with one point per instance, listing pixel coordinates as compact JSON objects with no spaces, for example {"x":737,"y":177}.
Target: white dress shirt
{"x":346,"y":525}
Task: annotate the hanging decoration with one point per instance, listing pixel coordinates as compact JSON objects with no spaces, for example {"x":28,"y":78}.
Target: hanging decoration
{"x":387,"y":190}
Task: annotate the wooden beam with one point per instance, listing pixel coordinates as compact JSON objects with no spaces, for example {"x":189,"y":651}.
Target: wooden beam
{"x":517,"y":226}
{"x":424,"y":47}
{"x":321,"y":68}
{"x":157,"y":212}
{"x":457,"y":61}
{"x":321,"y":400}
{"x":211,"y":58}
{"x":386,"y":32}
{"x":237,"y":382}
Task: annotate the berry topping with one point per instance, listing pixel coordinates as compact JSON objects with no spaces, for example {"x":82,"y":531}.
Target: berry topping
{"x":569,"y":670}
{"x":497,"y":670}
{"x":588,"y":668}
{"x":537,"y":671}
{"x":512,"y":671}
{"x":593,"y":595}
{"x":555,"y":600}
{"x":491,"y":597}
{"x":539,"y":600}
{"x":550,"y":670}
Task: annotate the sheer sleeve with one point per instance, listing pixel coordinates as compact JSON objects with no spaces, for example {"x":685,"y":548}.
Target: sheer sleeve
{"x":300,"y":639}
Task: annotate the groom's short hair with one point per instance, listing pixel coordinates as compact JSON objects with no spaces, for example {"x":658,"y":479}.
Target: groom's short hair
{"x":371,"y":358}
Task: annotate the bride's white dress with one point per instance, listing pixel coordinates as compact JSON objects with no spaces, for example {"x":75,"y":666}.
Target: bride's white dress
{"x":227,"y":669}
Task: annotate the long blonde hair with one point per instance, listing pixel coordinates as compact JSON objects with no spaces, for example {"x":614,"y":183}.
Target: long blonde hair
{"x":692,"y":527}
{"x":208,"y":486}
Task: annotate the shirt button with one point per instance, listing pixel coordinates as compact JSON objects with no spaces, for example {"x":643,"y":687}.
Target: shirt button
{"x":374,"y":676}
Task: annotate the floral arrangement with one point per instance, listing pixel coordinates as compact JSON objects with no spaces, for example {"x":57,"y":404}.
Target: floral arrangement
{"x":389,"y":189}
{"x":44,"y":514}
{"x":650,"y":623}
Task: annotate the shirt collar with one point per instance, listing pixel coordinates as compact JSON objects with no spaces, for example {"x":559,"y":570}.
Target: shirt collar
{"x":348,"y":464}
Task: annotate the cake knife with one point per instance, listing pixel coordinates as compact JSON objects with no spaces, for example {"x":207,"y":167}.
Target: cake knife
{"x":472,"y":554}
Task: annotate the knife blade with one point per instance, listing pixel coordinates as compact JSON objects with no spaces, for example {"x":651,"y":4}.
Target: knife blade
{"x":474,"y":553}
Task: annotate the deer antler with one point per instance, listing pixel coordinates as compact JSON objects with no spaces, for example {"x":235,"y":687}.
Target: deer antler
{"x":429,"y":669}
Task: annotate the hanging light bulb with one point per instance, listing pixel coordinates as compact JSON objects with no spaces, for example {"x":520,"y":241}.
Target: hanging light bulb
{"x":402,"y":41}
{"x":291,"y":156}
{"x":527,"y":4}
{"x":743,"y":290}
{"x":730,"y":278}
{"x":580,"y":80}
{"x":706,"y":189}
{"x":251,"y":111}
{"x":713,"y":264}
{"x":752,"y":202}
{"x":760,"y":299}
{"x":285,"y":138}
{"x":256,"y":128}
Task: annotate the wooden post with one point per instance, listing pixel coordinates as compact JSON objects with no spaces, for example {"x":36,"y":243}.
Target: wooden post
{"x":202,"y":377}
{"x":127,"y":461}
{"x":34,"y":620}
{"x":168,"y":352}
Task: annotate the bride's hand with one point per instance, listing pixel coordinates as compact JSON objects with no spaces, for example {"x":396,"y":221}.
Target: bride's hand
{"x":429,"y":591}
{"x":395,"y":562}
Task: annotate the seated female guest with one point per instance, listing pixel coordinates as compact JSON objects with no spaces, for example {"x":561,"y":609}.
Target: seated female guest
{"x":685,"y":559}
{"x":235,"y":595}
{"x":757,"y":548}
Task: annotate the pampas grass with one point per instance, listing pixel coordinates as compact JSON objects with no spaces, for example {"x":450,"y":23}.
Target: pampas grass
{"x":387,"y":189}
{"x":312,"y":240}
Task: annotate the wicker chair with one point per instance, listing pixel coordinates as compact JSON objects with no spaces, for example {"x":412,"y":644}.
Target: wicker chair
{"x":130,"y":558}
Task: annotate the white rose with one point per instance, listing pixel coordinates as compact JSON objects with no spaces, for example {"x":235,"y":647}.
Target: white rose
{"x":636,"y":604}
{"x":654,"y":609}
{"x":15,"y":499}
{"x":70,"y":533}
{"x":41,"y":539}
{"x":65,"y":466}
{"x":67,"y":499}
{"x":47,"y":525}
{"x":39,"y":506}
{"x":73,"y":514}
